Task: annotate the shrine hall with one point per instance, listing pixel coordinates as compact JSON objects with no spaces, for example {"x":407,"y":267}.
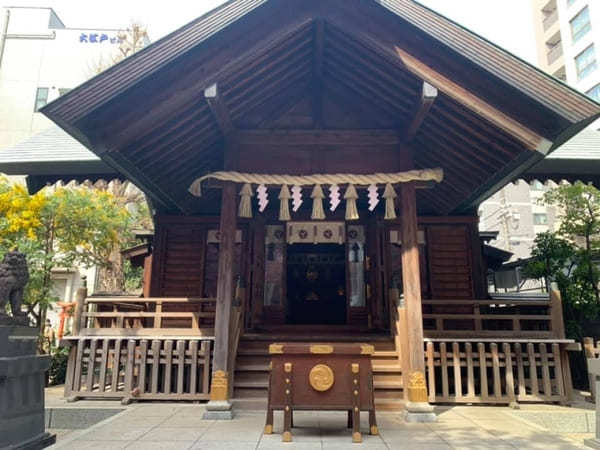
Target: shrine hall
{"x":314,"y":168}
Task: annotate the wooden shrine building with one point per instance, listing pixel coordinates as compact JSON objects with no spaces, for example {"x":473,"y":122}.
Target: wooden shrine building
{"x":315,"y":169}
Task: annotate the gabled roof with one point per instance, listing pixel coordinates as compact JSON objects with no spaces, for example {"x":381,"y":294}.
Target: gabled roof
{"x":495,"y":115}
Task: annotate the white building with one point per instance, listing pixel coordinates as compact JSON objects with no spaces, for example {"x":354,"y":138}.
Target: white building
{"x":40,"y":59}
{"x":568,"y":41}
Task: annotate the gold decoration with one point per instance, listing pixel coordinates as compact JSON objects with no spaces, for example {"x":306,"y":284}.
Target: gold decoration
{"x":356,"y":437}
{"x":321,"y":349}
{"x":355,"y":392}
{"x":389,"y":194}
{"x":317,"y":195}
{"x":355,"y":368}
{"x":218,"y":386}
{"x":287,"y":380}
{"x":268,"y":429}
{"x":321,"y":377}
{"x":374,"y":430}
{"x":417,"y":389}
{"x":350,"y":196}
{"x":287,"y":436}
{"x":275,"y":349}
{"x":366,"y":349}
{"x":356,"y":408}
{"x":245,"y":209}
{"x":287,"y":367}
{"x":284,"y":203}
{"x":287,"y":391}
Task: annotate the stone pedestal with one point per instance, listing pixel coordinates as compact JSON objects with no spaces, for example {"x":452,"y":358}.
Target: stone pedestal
{"x":218,"y":410}
{"x":419,"y":412}
{"x":594,"y":369}
{"x":22,"y":423}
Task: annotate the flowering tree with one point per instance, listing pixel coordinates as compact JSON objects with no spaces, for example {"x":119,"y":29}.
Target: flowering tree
{"x":59,"y":228}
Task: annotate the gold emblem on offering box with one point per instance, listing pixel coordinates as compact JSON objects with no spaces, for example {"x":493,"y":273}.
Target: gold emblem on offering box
{"x":321,"y":377}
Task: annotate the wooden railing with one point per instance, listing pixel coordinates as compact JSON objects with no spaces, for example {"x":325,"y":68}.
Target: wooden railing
{"x":500,"y":317}
{"x":501,"y":371}
{"x":135,"y":316}
{"x":141,"y":348}
{"x":592,"y":351}
{"x":141,"y":369}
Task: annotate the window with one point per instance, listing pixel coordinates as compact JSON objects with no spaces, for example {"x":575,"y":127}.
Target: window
{"x":540,"y":219}
{"x":594,"y":93}
{"x":580,"y":24}
{"x":586,"y":62}
{"x":63,"y":91}
{"x":41,"y":98}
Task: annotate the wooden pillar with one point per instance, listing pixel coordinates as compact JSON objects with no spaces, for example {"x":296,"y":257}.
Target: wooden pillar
{"x":411,"y":283}
{"x":219,"y":391}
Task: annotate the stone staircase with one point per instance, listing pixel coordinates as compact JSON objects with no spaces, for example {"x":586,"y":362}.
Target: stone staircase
{"x":252,"y":371}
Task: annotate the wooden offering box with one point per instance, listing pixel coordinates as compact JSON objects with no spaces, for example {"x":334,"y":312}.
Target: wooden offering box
{"x":321,"y":377}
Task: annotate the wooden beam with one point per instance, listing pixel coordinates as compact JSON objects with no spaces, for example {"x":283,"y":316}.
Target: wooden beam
{"x":404,"y":59}
{"x":529,"y":138}
{"x":370,"y":138}
{"x":219,"y":110}
{"x":317,"y":75}
{"x":422,"y":107}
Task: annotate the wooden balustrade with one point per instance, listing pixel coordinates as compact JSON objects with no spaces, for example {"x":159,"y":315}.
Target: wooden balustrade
{"x":135,"y":316}
{"x":141,"y":369}
{"x":533,"y":318}
{"x":498,"y":371}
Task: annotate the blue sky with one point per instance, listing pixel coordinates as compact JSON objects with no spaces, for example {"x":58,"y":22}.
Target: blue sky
{"x":508,"y":23}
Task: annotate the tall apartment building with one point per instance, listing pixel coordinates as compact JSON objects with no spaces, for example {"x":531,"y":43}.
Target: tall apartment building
{"x":568,"y":42}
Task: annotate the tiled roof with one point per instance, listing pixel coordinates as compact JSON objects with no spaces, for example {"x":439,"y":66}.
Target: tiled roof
{"x":585,"y":145}
{"x":54,"y":144}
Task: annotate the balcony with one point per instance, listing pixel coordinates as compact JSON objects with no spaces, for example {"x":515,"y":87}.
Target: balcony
{"x":550,"y":19}
{"x":554,"y":53}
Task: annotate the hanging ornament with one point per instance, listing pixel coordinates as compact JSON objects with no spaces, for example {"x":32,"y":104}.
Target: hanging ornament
{"x":296,"y":198}
{"x":263,"y":197}
{"x":284,"y":204}
{"x":389,"y":194}
{"x":373,"y":197}
{"x":334,"y":197}
{"x":245,"y":209}
{"x":317,"y":196}
{"x":350,"y":196}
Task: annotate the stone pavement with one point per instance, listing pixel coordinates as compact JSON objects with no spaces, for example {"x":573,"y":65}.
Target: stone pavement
{"x":150,"y":426}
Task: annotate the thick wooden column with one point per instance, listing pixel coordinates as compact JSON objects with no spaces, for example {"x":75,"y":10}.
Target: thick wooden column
{"x":219,"y":390}
{"x":411,"y":278}
{"x":417,"y":408}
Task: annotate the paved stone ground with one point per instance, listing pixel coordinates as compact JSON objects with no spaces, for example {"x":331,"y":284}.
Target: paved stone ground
{"x":151,"y":426}
{"x":175,"y":426}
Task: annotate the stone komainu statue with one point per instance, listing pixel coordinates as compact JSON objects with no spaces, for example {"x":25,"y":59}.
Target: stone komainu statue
{"x":14,"y":275}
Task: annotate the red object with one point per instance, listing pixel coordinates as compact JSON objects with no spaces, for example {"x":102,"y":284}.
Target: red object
{"x":67,"y":309}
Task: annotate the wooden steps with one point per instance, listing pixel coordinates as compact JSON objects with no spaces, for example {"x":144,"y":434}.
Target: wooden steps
{"x":252,"y":372}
